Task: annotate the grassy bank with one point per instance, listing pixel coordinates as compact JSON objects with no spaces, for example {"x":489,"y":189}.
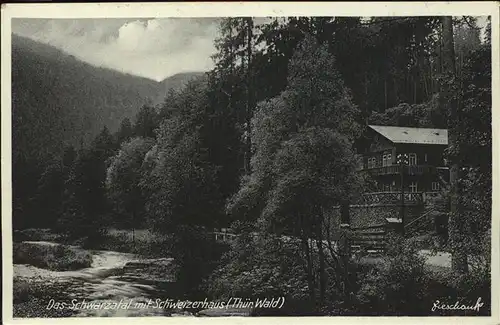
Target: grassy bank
{"x":53,"y":257}
{"x":140,"y":241}
{"x":35,"y":234}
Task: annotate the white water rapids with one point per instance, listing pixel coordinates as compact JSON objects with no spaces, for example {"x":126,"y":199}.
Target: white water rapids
{"x":113,"y":277}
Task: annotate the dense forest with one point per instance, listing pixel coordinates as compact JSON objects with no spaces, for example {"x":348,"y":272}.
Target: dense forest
{"x":266,"y":142}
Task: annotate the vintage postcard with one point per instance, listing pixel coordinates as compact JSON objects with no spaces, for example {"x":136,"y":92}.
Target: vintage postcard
{"x":276,"y":162}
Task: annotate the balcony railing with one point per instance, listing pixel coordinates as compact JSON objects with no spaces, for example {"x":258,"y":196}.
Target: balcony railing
{"x":396,"y":169}
{"x":386,"y":170}
{"x":394,"y":198}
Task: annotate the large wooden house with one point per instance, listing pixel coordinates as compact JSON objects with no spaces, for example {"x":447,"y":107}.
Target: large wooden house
{"x":403,"y":161}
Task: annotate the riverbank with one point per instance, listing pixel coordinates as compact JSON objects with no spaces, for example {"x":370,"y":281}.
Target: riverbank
{"x":112,"y":277}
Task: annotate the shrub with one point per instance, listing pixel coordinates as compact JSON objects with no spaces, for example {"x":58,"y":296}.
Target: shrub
{"x":139,"y":241}
{"x":37,"y":234}
{"x":265,"y":266}
{"x":53,"y":257}
{"x":196,"y":254}
{"x":403,"y":285}
{"x":397,"y":285}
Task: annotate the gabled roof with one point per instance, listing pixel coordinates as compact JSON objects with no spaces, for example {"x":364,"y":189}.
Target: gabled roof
{"x":398,"y":134}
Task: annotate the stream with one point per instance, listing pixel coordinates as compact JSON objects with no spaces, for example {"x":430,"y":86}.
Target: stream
{"x":115,"y":285}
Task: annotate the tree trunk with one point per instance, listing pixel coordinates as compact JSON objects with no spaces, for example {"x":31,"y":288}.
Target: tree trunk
{"x":385,"y":94}
{"x":231,"y":71}
{"x":304,"y":237}
{"x":344,"y":212}
{"x":321,"y":255}
{"x":459,"y":257}
{"x":249,"y":102}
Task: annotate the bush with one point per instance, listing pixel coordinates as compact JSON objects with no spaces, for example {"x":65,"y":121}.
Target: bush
{"x":196,"y":254}
{"x":265,"y":266}
{"x":53,"y":257}
{"x":140,"y":241}
{"x":37,"y":234}
{"x":397,"y":285}
{"x":403,"y":285}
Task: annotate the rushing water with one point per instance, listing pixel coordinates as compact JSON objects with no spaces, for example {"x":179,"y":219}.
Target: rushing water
{"x":114,"y":285}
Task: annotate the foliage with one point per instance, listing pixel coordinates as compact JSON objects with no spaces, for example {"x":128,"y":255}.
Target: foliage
{"x":51,"y":186}
{"x":197,"y":254}
{"x":53,"y":257}
{"x":122,"y":182}
{"x":146,"y":122}
{"x":397,"y":287}
{"x":315,"y":97}
{"x":34,"y":234}
{"x":314,"y":169}
{"x":125,"y":132}
{"x":138,"y":241}
{"x":475,"y":151}
{"x":403,"y":285}
{"x":262,"y":267}
{"x":302,"y":162}
{"x":425,"y":115}
{"x":85,"y":207}
{"x":180,"y":187}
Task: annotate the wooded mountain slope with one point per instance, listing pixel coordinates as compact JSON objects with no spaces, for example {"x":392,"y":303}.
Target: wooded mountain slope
{"x":58,"y":100}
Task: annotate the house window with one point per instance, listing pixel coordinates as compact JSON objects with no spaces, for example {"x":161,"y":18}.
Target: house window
{"x":387,"y":160}
{"x":371,"y":162}
{"x":435,"y":186}
{"x":413,"y":187}
{"x":412,"y":159}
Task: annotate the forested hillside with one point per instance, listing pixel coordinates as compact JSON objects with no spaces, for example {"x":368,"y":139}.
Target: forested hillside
{"x":58,"y":100}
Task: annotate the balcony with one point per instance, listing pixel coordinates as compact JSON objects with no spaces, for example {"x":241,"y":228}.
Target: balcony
{"x":394,"y":198}
{"x":396,"y":169}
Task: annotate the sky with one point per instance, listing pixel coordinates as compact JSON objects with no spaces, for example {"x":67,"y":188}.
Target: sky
{"x":154,"y":48}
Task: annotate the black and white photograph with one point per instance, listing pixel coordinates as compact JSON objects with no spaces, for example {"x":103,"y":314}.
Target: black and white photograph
{"x":250,"y":165}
